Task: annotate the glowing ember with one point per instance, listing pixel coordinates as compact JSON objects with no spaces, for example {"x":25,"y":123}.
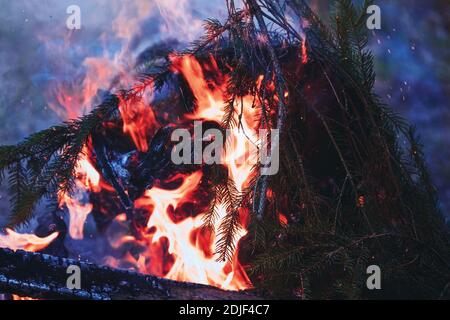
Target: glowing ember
{"x":283,"y":219}
{"x":16,"y":297}
{"x":304,"y":52}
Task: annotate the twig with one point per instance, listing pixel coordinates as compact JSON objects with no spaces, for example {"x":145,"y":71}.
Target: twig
{"x":280,"y":86}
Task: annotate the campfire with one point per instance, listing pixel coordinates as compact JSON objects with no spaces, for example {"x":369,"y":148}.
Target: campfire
{"x":151,"y":211}
{"x":255,"y":163}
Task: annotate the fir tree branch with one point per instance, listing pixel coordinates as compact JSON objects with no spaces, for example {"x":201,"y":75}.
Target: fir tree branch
{"x":280,"y":87}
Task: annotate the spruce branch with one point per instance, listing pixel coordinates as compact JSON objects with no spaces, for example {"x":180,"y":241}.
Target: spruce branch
{"x":51,"y":157}
{"x":280,"y":87}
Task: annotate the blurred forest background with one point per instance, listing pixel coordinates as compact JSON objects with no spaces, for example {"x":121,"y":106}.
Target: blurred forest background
{"x":412,"y":54}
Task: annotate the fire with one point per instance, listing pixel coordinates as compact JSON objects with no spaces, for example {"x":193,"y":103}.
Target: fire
{"x":138,"y":118}
{"x":88,"y":179}
{"x":304,"y":52}
{"x":283,"y":219}
{"x":16,"y":297}
{"x":211,"y":106}
{"x":209,"y":96}
{"x":304,"y":49}
{"x":192,"y":252}
{"x":71,"y":99}
{"x":181,"y":250}
{"x":98,"y":71}
{"x":27,"y":242}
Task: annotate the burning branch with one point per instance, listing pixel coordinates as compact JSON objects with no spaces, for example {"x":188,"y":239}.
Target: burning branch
{"x":280,"y":85}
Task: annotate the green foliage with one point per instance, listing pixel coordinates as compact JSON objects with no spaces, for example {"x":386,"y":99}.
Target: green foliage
{"x":384,"y":207}
{"x":224,"y":193}
{"x":44,"y":164}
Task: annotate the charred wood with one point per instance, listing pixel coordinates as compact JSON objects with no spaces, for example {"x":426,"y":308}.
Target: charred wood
{"x":44,"y":276}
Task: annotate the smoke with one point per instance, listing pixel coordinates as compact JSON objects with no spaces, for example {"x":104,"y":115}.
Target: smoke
{"x":39,"y":54}
{"x":49,"y":73}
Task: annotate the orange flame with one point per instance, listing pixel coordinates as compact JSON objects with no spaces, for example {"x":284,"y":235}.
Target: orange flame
{"x":16,"y":297}
{"x":138,"y":118}
{"x":28,"y":242}
{"x":304,"y":52}
{"x":304,"y":48}
{"x":176,"y":250}
{"x":69,"y":100}
{"x":209,"y":96}
{"x":88,"y":179}
{"x":180,"y":250}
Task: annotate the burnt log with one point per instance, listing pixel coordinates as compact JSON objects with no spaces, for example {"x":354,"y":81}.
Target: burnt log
{"x":44,"y":276}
